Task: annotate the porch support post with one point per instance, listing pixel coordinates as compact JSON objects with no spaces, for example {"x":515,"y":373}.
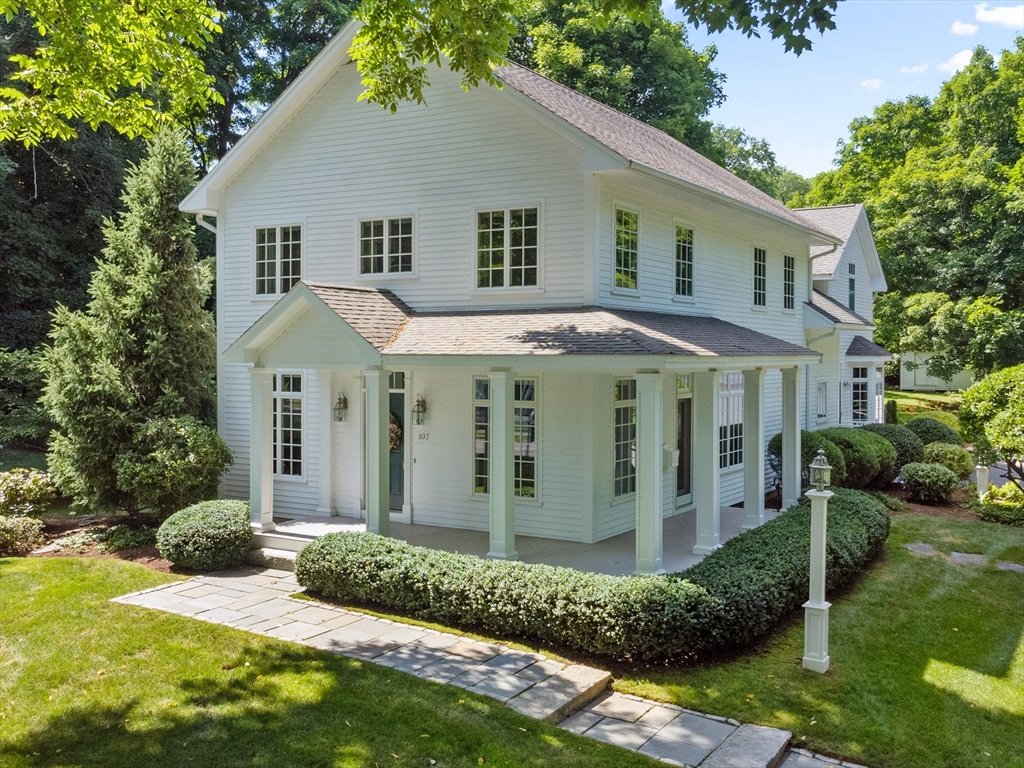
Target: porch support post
{"x":378,"y":460}
{"x":791,"y":470}
{"x":261,"y":449}
{"x":753,"y":448}
{"x":649,"y":472}
{"x":502,"y":467}
{"x":326,"y":505}
{"x":705,"y":461}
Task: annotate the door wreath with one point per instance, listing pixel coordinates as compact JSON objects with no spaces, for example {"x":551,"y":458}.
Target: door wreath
{"x":394,"y":432}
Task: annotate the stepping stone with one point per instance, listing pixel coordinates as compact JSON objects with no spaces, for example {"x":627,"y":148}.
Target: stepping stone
{"x":688,"y":739}
{"x":963,"y":558}
{"x":561,"y":694}
{"x":1006,"y":565}
{"x":581,"y":721}
{"x":920,"y":548}
{"x":621,"y":708}
{"x":751,"y":746}
{"x":622,"y":734}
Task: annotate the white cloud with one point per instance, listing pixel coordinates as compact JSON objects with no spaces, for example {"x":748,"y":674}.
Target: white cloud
{"x":955,"y":63}
{"x":1005,"y":15}
{"x":918,"y":70}
{"x":871,"y":85}
{"x":962,"y":28}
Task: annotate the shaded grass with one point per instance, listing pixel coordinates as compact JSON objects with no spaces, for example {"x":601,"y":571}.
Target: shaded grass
{"x":11,"y":458}
{"x":87,"y":682}
{"x":927,"y":661}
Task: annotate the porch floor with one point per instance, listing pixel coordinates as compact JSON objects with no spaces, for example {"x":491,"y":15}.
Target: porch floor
{"x":615,"y":556}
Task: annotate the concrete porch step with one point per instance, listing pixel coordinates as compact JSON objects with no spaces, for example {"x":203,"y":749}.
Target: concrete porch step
{"x":280,"y":540}
{"x":267,"y":557}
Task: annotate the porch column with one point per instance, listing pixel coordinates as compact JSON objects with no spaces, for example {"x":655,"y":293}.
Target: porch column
{"x":378,"y":459}
{"x":649,"y":473}
{"x":705,"y":461}
{"x":502,"y":466}
{"x":326,"y":505}
{"x":261,"y":449}
{"x":791,"y":469}
{"x":753,"y":448}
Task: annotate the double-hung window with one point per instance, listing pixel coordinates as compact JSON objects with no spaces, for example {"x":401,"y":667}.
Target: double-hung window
{"x":507,"y":248}
{"x":852,"y":297}
{"x":822,"y":400}
{"x":860,"y":394}
{"x":684,"y":262}
{"x":624,"y":438}
{"x":278,"y":259}
{"x":788,"y":282}
{"x":627,"y":249}
{"x":760,"y":277}
{"x":524,"y":436}
{"x":730,"y":420}
{"x":287,"y":427}
{"x":385,"y":246}
{"x":880,"y":394}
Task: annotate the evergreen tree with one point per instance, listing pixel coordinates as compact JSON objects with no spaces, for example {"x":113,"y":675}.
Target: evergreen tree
{"x":144,"y":348}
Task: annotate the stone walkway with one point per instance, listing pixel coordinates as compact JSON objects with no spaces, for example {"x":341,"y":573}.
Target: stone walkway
{"x":259,"y":600}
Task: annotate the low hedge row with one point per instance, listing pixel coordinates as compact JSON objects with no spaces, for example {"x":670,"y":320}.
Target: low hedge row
{"x":870,"y":458}
{"x":931,"y":430}
{"x":735,"y":595}
{"x":908,"y":445}
{"x":810,"y":442}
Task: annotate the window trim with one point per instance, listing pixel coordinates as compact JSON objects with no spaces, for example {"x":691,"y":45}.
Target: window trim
{"x":534,"y":500}
{"x":620,"y":498}
{"x":474,"y":234}
{"x":868,"y":394}
{"x":474,"y":404}
{"x":763,"y":307}
{"x":722,"y":414}
{"x":788,"y":283}
{"x":851,"y":294}
{"x":692,"y":298}
{"x":303,"y":257}
{"x":386,"y":274}
{"x":304,"y":426}
{"x":616,"y":207}
{"x":822,"y":400}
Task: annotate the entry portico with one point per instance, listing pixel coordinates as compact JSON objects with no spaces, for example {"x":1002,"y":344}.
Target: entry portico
{"x":563,"y":423}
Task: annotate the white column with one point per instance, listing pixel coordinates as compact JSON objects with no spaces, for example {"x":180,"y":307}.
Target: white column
{"x":649,"y":472}
{"x":982,"y":479}
{"x":261,"y":449}
{"x":502,"y":466}
{"x":753,"y":448}
{"x":705,"y":461}
{"x":326,"y":505}
{"x":378,"y":459}
{"x":816,"y":609}
{"x":790,"y":437}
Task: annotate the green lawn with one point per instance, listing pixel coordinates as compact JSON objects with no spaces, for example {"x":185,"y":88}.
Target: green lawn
{"x":927,"y":661}
{"x":949,"y":400}
{"x":10,"y":458}
{"x":86,"y":682}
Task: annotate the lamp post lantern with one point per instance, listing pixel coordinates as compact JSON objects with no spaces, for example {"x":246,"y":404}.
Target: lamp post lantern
{"x":816,"y":609}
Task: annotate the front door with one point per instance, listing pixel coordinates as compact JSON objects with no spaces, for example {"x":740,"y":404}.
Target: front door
{"x":396,"y":440}
{"x":684,"y":438}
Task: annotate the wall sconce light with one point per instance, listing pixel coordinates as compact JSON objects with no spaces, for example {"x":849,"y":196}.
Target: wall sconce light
{"x":419,"y":410}
{"x":341,"y":407}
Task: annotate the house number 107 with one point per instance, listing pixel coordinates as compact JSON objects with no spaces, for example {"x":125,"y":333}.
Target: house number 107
{"x":424,"y":436}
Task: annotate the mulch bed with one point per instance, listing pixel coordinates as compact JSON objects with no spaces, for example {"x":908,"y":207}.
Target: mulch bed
{"x":956,"y":509}
{"x":149,"y":556}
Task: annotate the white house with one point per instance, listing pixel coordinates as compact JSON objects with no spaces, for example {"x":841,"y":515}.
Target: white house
{"x":914,"y":377}
{"x":510,"y":310}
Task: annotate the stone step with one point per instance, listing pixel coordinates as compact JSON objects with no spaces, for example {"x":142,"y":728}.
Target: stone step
{"x":281,"y":559}
{"x":289,"y":542}
{"x":751,"y":746}
{"x":561,"y":694}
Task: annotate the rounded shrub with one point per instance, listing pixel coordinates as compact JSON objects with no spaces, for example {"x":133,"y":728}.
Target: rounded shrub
{"x":929,"y":483}
{"x":207,"y":536}
{"x":810,"y":442}
{"x":955,"y":458}
{"x":933,"y":431}
{"x":908,"y":445}
{"x":870,"y":458}
{"x":19,"y":535}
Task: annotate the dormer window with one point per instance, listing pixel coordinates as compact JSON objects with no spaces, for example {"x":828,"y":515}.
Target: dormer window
{"x":507,"y":248}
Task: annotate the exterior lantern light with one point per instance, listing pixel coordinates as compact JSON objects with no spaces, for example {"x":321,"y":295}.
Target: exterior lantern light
{"x":341,"y":407}
{"x":419,"y":410}
{"x":821,"y":471}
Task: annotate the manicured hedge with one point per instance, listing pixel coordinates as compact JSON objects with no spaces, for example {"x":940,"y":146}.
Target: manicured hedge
{"x":933,"y":431}
{"x":810,"y":442}
{"x":207,"y":536}
{"x":908,"y":445}
{"x":870,"y":458}
{"x":735,"y":595}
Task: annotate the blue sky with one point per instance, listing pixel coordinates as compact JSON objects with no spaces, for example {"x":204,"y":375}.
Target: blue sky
{"x":880,"y":50}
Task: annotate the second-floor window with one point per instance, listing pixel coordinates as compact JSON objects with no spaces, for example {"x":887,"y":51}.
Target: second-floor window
{"x":760,"y":277}
{"x":278,"y":259}
{"x":507,"y":248}
{"x":385,"y":246}
{"x":627,"y":249}
{"x":684,"y":262}
{"x":852,"y":302}
{"x":788,"y":282}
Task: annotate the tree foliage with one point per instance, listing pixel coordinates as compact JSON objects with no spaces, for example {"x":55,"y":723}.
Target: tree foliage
{"x":992,"y":417}
{"x":144,"y":348}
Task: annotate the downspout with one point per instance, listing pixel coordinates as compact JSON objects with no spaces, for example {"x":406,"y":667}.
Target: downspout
{"x":807,"y":378}
{"x":205,"y":224}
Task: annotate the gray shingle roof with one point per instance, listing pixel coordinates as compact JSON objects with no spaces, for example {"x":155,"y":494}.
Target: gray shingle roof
{"x":837,"y":220}
{"x":639,"y":142}
{"x":862,"y":347}
{"x":374,"y":313}
{"x":835,"y":311}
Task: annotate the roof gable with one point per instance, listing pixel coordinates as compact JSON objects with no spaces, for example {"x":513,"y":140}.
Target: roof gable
{"x":846,"y":223}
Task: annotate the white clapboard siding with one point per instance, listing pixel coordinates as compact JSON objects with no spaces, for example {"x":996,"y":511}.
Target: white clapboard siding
{"x":838,"y":287}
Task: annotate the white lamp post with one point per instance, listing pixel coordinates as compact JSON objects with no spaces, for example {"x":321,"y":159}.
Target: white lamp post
{"x":816,"y":609}
{"x":982,"y":474}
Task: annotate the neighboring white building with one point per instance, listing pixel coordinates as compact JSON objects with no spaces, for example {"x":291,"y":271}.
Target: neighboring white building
{"x":603,"y":327}
{"x":915,"y":378}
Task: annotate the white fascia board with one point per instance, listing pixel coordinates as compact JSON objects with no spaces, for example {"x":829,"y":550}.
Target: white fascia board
{"x":205,"y":198}
{"x":598,"y":363}
{"x":874,"y":262}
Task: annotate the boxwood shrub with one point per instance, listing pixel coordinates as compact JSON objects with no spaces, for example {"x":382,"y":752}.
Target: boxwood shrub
{"x":955,"y":458}
{"x":206,"y":536}
{"x":810,"y":442}
{"x":870,"y":458}
{"x":908,"y":445}
{"x":933,"y":431}
{"x":929,"y":483}
{"x":735,"y":595}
